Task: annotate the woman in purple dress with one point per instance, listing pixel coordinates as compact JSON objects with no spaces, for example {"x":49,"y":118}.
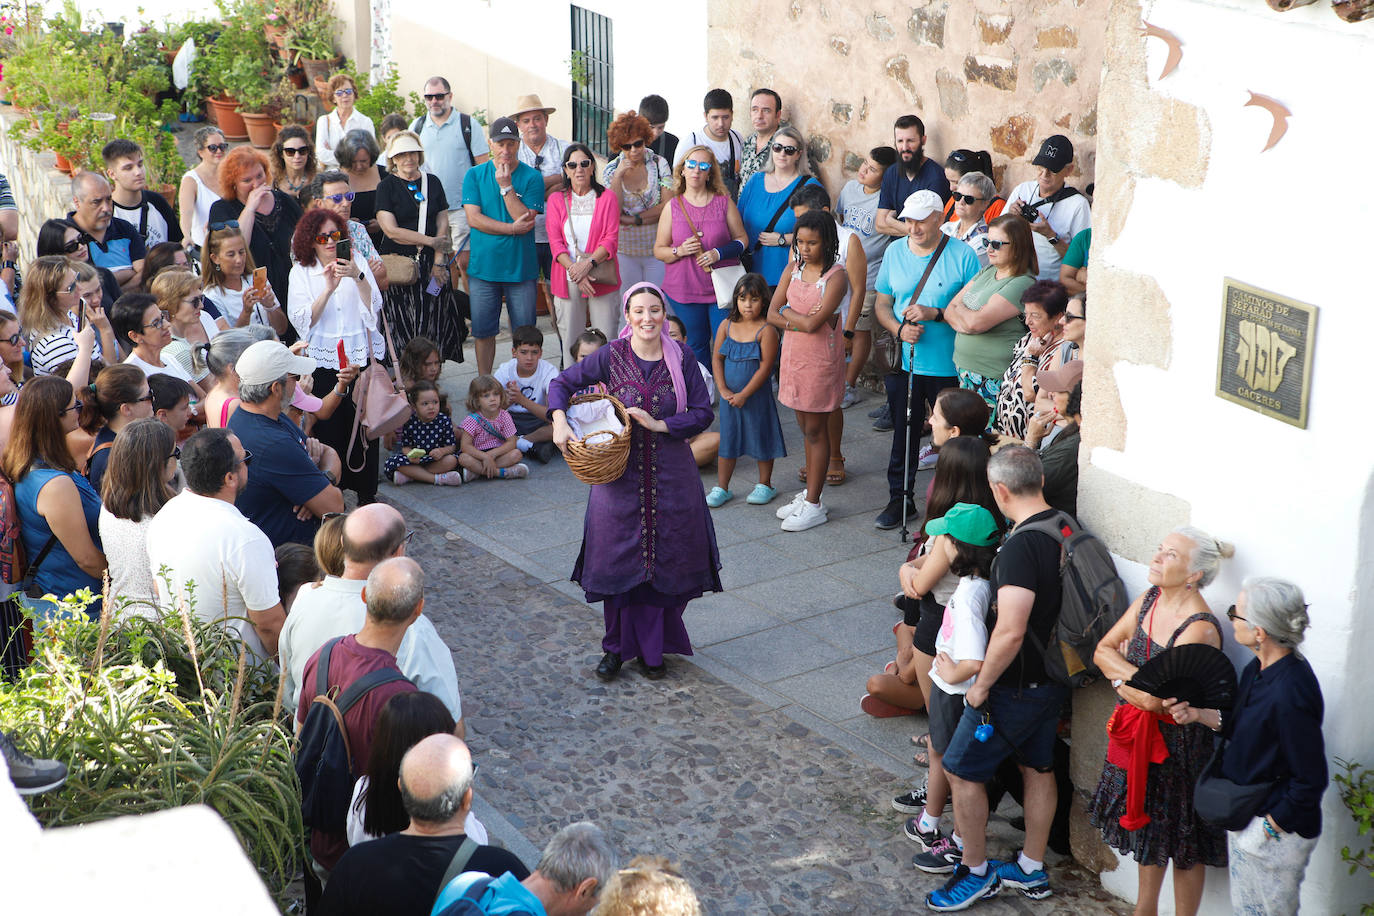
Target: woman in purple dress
{"x":654,"y":548}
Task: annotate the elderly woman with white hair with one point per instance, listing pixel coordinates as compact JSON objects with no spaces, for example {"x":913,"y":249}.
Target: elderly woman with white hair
{"x":1273,"y":737}
{"x":972,"y":197}
{"x":1165,"y":828}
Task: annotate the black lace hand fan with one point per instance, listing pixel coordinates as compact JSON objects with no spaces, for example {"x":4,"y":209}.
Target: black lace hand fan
{"x":1197,"y":673}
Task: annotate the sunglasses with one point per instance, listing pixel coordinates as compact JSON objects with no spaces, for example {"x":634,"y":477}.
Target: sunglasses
{"x":176,"y":453}
{"x":13,"y":340}
{"x":1231,"y":613}
{"x":1068,"y":317}
{"x":994,"y":245}
{"x":146,"y":397}
{"x":227,"y":224}
{"x":414,"y":188}
{"x":295,"y":150}
{"x":699,"y":166}
{"x":343,"y":93}
{"x":76,"y":405}
{"x":247,"y":457}
{"x":72,"y":246}
{"x":71,"y":287}
{"x":635,"y":145}
{"x":328,"y":515}
{"x":539,"y":161}
{"x":578,"y":164}
{"x":217,"y":147}
{"x":965,"y":198}
{"x":789,"y":150}
{"x":326,"y":238}
{"x":339,"y":198}
{"x":436,"y":96}
{"x":197,"y":301}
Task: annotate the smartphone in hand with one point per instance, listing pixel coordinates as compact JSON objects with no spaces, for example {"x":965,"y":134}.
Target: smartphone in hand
{"x":260,"y":279}
{"x":343,"y":250}
{"x":81,"y":314}
{"x":343,"y":356}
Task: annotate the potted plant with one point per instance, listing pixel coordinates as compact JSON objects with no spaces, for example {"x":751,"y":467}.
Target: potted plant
{"x":253,"y":83}
{"x":232,"y":64}
{"x":311,"y":26}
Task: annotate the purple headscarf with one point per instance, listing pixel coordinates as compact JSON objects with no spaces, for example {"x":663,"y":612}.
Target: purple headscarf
{"x":672,"y":352}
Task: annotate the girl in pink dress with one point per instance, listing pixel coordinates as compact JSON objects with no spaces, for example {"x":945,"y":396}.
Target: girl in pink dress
{"x":812,"y":365}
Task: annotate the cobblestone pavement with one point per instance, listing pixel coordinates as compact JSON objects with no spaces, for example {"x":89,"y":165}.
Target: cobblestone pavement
{"x":764,"y":813}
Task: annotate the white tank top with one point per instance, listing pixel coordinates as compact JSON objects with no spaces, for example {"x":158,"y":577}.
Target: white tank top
{"x":200,"y":220}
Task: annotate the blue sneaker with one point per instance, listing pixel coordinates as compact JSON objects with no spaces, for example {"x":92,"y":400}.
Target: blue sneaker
{"x":718,"y":497}
{"x":964,"y":889}
{"x":1035,"y":885}
{"x":761,"y":495}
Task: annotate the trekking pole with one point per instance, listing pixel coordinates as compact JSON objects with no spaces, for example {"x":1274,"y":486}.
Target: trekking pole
{"x":907,"y":492}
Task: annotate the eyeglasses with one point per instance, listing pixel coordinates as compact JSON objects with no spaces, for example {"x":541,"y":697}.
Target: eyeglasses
{"x":217,"y":147}
{"x":328,"y":515}
{"x":578,"y":164}
{"x":158,"y":322}
{"x":176,"y":453}
{"x":995,"y":245}
{"x":343,"y":93}
{"x":70,"y":247}
{"x":295,"y":150}
{"x":147,"y":397}
{"x":76,"y":405}
{"x":71,"y":287}
{"x":325,"y":239}
{"x":1231,"y":613}
{"x":339,"y":198}
{"x":13,"y":340}
{"x":414,"y":188}
{"x":227,"y":224}
{"x":1068,"y":317}
{"x":635,"y":145}
{"x":966,"y":198}
{"x":699,"y":166}
{"x":436,"y":96}
{"x":247,"y":457}
{"x":788,"y":150}
{"x":410,"y":533}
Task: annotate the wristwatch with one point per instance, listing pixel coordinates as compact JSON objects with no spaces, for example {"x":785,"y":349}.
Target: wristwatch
{"x":674,"y":251}
{"x":507,"y":189}
{"x":639,"y":219}
{"x":1117,"y":682}
{"x":1054,"y":240}
{"x":939,"y":315}
{"x":848,"y":334}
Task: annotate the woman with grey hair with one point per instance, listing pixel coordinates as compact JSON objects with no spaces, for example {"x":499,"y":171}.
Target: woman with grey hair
{"x":220,"y":356}
{"x":1272,"y":735}
{"x":972,"y":196}
{"x":765,"y":204}
{"x":1165,"y":828}
{"x":358,"y":153}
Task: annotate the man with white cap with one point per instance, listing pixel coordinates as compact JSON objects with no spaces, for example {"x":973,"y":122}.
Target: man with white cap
{"x":540,"y":151}
{"x":203,"y":551}
{"x":289,"y":489}
{"x":919,"y":277}
{"x":1055,"y":211}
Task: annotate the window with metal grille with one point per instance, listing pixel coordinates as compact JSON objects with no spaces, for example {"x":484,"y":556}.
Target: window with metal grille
{"x":592,"y":78}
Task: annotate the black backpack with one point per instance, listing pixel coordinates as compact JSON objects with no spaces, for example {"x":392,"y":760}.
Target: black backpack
{"x":464,"y":124}
{"x":1094,"y":598}
{"x":324,"y":762}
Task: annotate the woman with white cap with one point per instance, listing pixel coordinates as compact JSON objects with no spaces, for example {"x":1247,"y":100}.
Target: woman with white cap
{"x":412,"y":209}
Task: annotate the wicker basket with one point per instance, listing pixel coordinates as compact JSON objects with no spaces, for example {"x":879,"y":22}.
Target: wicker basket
{"x":602,"y":462}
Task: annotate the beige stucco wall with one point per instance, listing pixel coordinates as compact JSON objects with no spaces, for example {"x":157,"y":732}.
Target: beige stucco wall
{"x":981,"y":74}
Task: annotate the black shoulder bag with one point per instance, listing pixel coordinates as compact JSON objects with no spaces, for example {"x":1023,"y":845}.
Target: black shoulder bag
{"x":747,"y":258}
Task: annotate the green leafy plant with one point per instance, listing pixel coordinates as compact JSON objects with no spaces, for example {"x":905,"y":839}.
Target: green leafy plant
{"x":1356,"y":784}
{"x":156,"y":713}
{"x":579,"y":68}
{"x":237,"y":63}
{"x":376,"y":100}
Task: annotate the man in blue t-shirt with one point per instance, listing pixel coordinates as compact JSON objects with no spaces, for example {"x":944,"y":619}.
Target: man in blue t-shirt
{"x":913,"y":171}
{"x":287,"y":478}
{"x":501,"y":198}
{"x":114,"y":244}
{"x":927,"y":342}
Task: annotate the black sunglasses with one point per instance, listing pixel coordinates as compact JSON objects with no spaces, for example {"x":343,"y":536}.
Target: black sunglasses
{"x":176,"y":453}
{"x":70,"y":247}
{"x":14,"y":339}
{"x":227,"y":224}
{"x":966,"y":198}
{"x":435,"y":96}
{"x":1068,"y":317}
{"x":789,"y":150}
{"x":1231,"y":613}
{"x":247,"y":457}
{"x":295,"y":150}
{"x":328,"y":515}
{"x":995,"y":245}
{"x":217,"y":147}
{"x":76,"y":405}
{"x":146,"y":397}
{"x":635,"y":145}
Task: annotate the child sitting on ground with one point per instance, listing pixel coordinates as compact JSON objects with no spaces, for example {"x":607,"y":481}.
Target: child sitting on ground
{"x":705,"y":445}
{"x":970,"y":542}
{"x":745,"y":352}
{"x":426,"y":446}
{"x":489,"y":439}
{"x":527,"y":376}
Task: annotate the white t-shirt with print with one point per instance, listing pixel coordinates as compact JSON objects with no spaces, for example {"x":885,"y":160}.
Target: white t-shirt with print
{"x":964,"y":631}
{"x":1066,"y":217}
{"x":535,"y":387}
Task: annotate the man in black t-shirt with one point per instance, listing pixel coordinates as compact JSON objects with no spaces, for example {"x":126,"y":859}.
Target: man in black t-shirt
{"x":400,"y":874}
{"x":1012,"y":694}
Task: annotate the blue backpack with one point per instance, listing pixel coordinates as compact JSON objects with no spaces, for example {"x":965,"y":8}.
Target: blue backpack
{"x":324,"y":762}
{"x":470,"y":903}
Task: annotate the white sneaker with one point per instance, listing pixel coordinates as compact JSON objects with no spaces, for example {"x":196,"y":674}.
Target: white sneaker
{"x":808,"y":516}
{"x":926,"y":458}
{"x":851,"y":397}
{"x":793,"y":506}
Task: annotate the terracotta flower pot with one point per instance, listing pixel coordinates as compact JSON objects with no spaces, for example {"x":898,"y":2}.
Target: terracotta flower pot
{"x":227,"y":118}
{"x":261,"y":131}
{"x":322,"y":90}
{"x":298,"y":79}
{"x":64,"y":165}
{"x":320,"y":69}
{"x":168,"y":193}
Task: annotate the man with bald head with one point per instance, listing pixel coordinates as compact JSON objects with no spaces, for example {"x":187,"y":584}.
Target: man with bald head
{"x":335,"y":607}
{"x":113,"y":243}
{"x":401,"y":874}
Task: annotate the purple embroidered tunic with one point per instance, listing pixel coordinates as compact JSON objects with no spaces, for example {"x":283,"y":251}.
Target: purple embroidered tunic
{"x":648,"y":535}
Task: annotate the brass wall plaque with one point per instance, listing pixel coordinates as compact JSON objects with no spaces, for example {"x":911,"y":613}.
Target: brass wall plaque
{"x":1267,"y":343}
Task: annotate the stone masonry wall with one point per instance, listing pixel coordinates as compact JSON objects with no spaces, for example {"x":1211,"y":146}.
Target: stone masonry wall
{"x":40,"y":190}
{"x":981,"y":74}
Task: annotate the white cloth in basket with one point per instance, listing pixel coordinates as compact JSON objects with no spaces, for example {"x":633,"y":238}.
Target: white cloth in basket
{"x":594,"y":421}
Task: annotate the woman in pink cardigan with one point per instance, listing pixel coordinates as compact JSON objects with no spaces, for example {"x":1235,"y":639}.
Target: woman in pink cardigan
{"x":584,"y":226}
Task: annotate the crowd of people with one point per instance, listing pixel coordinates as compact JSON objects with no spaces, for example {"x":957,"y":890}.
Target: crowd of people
{"x":183,"y":410}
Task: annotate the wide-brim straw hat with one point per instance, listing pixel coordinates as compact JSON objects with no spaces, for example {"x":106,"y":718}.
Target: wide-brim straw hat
{"x":404,"y":141}
{"x":527,"y":103}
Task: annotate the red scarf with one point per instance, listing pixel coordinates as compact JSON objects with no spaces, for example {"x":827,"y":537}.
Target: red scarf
{"x":1134,"y":741}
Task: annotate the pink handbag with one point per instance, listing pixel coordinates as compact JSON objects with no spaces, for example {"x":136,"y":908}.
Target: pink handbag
{"x":380,"y":401}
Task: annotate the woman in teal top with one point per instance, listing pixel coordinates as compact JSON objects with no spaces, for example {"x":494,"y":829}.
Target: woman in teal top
{"x":768,"y":192}
{"x":986,"y":313}
{"x":55,"y":502}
